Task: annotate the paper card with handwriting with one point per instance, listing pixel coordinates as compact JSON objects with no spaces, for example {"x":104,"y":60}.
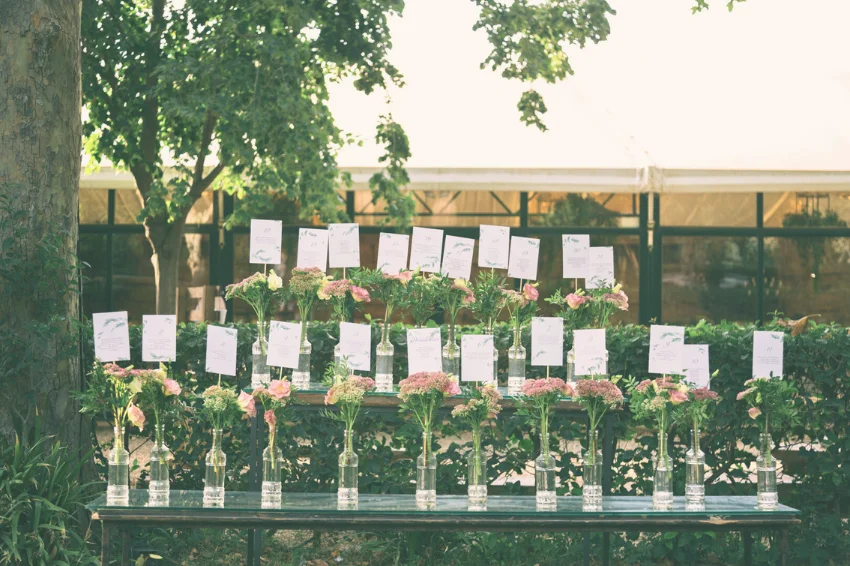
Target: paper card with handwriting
{"x":355,"y":341}
{"x":111,"y":336}
{"x":768,"y":350}
{"x":590,"y":352}
{"x":284,"y":344}
{"x":576,"y":255}
{"x":547,"y":341}
{"x":697,"y":373}
{"x":457,"y":257}
{"x":221,"y":350}
{"x":666,"y":352}
{"x":266,"y":240}
{"x":159,"y":338}
{"x":523,"y":258}
{"x":312,"y":248}
{"x":344,"y":245}
{"x":424,"y":350}
{"x":392,"y":252}
{"x":494,"y":244}
{"x":426,"y":249}
{"x":476,"y":357}
{"x":600,"y":272}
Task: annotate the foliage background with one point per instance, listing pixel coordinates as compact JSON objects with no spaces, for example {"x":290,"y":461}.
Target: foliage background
{"x":816,"y":470}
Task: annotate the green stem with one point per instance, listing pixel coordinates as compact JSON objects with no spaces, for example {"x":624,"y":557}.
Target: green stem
{"x":544,"y":431}
{"x":696,"y":436}
{"x":662,"y":435}
{"x":476,"y":451}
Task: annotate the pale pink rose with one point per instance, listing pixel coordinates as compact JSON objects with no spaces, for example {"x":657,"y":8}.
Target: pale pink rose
{"x":754,"y":412}
{"x":171,"y":387}
{"x":677,"y":396}
{"x":453,"y":389}
{"x":136,"y":416}
{"x":246,"y":402}
{"x":530,"y":292}
{"x":359,"y":294}
{"x":575,"y":301}
{"x":270,"y":418}
{"x":279,"y":389}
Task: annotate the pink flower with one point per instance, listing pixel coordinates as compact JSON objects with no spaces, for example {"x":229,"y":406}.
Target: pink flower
{"x":171,"y":387}
{"x":404,"y":276}
{"x":425,"y":382}
{"x":270,"y":418}
{"x":530,"y":292}
{"x":677,"y":396}
{"x":588,"y":389}
{"x":280,"y":389}
{"x":619,"y":300}
{"x":575,"y":301}
{"x":754,"y":412}
{"x":546,"y":386}
{"x":246,"y":402}
{"x":704,"y":394}
{"x":453,"y":389}
{"x":744,"y":393}
{"x":359,"y":294}
{"x":136,"y":416}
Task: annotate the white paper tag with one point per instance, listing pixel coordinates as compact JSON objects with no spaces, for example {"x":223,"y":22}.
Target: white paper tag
{"x":768,"y":352}
{"x":601,"y":269}
{"x":697,"y":371}
{"x":547,"y":341}
{"x":344,"y":245}
{"x":221,"y":350}
{"x":576,"y":255}
{"x":284,"y":344}
{"x":666,"y":349}
{"x":457,"y":257}
{"x":392,"y":252}
{"x":494,"y":244}
{"x":523,"y":258}
{"x":312,"y":248}
{"x":111,"y":336}
{"x":424,"y":351}
{"x":159,"y":338}
{"x":590,"y":352}
{"x":266,"y":240}
{"x":476,"y":357}
{"x":426,"y":249}
{"x":355,"y":341}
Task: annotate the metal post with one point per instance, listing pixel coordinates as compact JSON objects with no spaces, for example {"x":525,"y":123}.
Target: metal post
{"x":225,"y":267}
{"x":125,"y":547}
{"x":255,"y":463}
{"x":523,"y":209}
{"x":760,"y":269}
{"x":104,"y":544}
{"x":110,"y":222}
{"x":747,"y":536}
{"x":607,"y":479}
{"x":644,"y":263}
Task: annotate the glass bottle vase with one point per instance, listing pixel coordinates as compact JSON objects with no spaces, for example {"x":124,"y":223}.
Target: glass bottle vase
{"x":662,"y":488}
{"x":695,"y":474}
{"x":426,"y":474}
{"x":301,"y":376}
{"x":272,"y":472}
{"x":384,"y":362}
{"x":592,"y":474}
{"x":571,"y":366}
{"x":476,"y":477}
{"x":260,"y":374}
{"x":516,"y":364}
{"x":544,"y":470}
{"x":158,"y":488}
{"x":451,"y":355}
{"x":347,"y":491}
{"x":337,"y":354}
{"x":216,"y":466}
{"x":766,"y":465}
{"x":118,"y":482}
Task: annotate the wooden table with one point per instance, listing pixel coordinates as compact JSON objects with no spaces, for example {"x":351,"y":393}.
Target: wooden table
{"x":319,"y":511}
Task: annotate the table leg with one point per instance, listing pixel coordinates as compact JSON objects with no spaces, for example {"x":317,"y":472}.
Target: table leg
{"x":783,"y":547}
{"x":606,"y":549}
{"x":125,"y":547}
{"x":747,"y":536}
{"x":586,"y":549}
{"x":104,"y":544}
{"x":255,"y":536}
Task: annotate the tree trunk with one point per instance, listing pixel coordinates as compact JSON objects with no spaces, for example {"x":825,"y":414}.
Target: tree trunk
{"x":40,"y":137}
{"x":166,"y":241}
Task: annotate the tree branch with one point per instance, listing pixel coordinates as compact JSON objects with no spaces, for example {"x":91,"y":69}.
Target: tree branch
{"x":148,"y":143}
{"x":199,"y":182}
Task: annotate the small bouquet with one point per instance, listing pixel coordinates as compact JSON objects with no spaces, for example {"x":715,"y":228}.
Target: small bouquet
{"x":264,"y":294}
{"x":591,"y":308}
{"x":696,"y":410}
{"x":338,"y":292}
{"x":521,"y":306}
{"x":452,"y":296}
{"x":489,"y":298}
{"x":159,"y":395}
{"x":483,"y":404}
{"x":346,"y":392}
{"x":597,"y":397}
{"x":112,"y":390}
{"x":771,"y":402}
{"x":391,"y":289}
{"x":304,"y":286}
{"x":422,"y":297}
{"x":222,"y":408}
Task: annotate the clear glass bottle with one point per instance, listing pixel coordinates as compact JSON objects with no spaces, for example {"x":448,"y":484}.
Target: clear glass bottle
{"x":516,"y":364}
{"x":272,"y":472}
{"x":476,"y":477}
{"x":384,"y":361}
{"x":766,"y":465}
{"x":694,"y":474}
{"x":571,"y":366}
{"x":662,"y":489}
{"x":158,"y":488}
{"x":260,"y":374}
{"x":451,"y":354}
{"x":592,"y":476}
{"x":544,"y":470}
{"x":426,"y":474}
{"x":348,"y":471}
{"x":216,"y":467}
{"x":337,"y":353}
{"x":118,"y":482}
{"x":301,"y":376}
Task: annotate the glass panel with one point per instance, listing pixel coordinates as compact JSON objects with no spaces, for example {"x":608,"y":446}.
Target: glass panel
{"x":92,"y":250}
{"x":128,"y":204}
{"x":584,"y":209}
{"x":133,"y":286}
{"x":809,"y":276}
{"x":806,"y":209}
{"x":708,"y":209}
{"x":447,"y":208}
{"x":94,"y":206}
{"x":709,"y":277}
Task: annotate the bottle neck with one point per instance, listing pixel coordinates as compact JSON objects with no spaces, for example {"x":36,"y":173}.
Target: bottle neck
{"x":348,"y":442}
{"x":592,"y":445}
{"x":159,"y":433}
{"x":216,"y":439}
{"x":118,"y":440}
{"x":426,"y":444}
{"x":695,"y":440}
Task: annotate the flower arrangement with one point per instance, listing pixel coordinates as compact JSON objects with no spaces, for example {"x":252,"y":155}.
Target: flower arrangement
{"x":263,"y":293}
{"x":112,"y":389}
{"x":597,"y":397}
{"x":338,"y":292}
{"x":771,"y":402}
{"x":696,"y":410}
{"x":346,"y":392}
{"x":421,"y":294}
{"x":391,"y":289}
{"x":304,"y":286}
{"x":489,"y":298}
{"x":522,"y":306}
{"x":591,"y":308}
{"x":483,"y":404}
{"x":452,"y":296}
{"x":221,"y":406}
{"x":423,"y":393}
{"x":537,"y":398}
{"x":159,"y":394}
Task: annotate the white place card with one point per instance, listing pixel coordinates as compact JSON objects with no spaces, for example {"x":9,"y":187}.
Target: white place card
{"x":424,"y":351}
{"x":476,"y":357}
{"x":344,"y":245}
{"x":457,"y":257}
{"x":547,"y":341}
{"x":355,"y":344}
{"x":523,"y":259}
{"x":600,"y":272}
{"x":666,"y":352}
{"x":590,"y":352}
{"x":284,"y":344}
{"x":768,"y":351}
{"x":576,"y":255}
{"x":697,"y":371}
{"x":111,"y":336}
{"x":392,"y":252}
{"x":221,"y":350}
{"x":266,"y":240}
{"x":426,"y":249}
{"x":494,"y":244}
{"x":312,"y":248}
{"x":159,"y":338}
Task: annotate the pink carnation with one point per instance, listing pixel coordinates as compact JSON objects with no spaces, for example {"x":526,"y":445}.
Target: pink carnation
{"x":677,"y":396}
{"x":404,"y":276}
{"x":546,"y":386}
{"x":336,"y":289}
{"x":246,"y":402}
{"x":754,"y":412}
{"x":270,"y":418}
{"x":280,"y":389}
{"x":643,"y":385}
{"x":359,"y":294}
{"x":530,"y":292}
{"x":575,"y":301}
{"x":744,"y":393}
{"x":171,"y":387}
{"x":136,"y":416}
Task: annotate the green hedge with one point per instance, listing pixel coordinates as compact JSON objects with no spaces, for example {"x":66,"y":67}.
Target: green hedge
{"x":816,"y":360}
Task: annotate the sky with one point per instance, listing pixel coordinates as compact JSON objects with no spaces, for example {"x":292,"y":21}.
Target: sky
{"x":766,"y":86}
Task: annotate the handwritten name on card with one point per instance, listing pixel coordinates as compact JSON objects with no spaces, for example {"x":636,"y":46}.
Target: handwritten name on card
{"x":284,"y":344}
{"x":768,"y":353}
{"x":576,"y":249}
{"x":424,"y":351}
{"x":392,"y":252}
{"x":111,"y":336}
{"x":426,"y":249}
{"x":221,"y":350}
{"x":344,"y":245}
{"x":159,"y":338}
{"x":523,"y":259}
{"x":266,"y":241}
{"x":494,"y":244}
{"x":666,"y":349}
{"x":312,"y":248}
{"x":547,"y":341}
